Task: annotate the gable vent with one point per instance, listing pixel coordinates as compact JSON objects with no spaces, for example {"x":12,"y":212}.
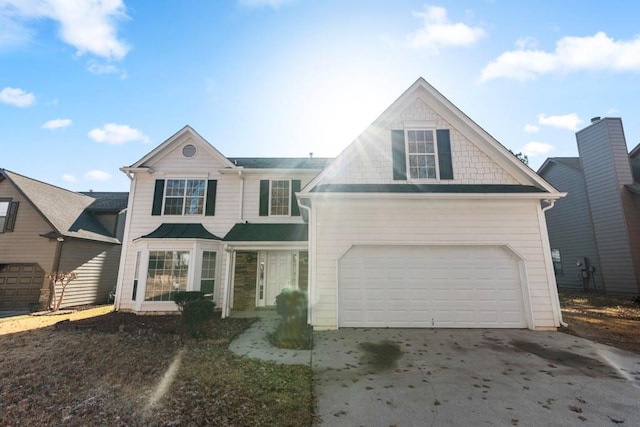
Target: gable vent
{"x":189,"y":150}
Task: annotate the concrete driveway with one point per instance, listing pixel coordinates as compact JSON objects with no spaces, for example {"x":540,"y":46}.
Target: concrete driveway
{"x":463,"y":377}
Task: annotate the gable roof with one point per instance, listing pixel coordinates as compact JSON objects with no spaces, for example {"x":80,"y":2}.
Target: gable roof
{"x":177,"y":138}
{"x":460,"y":121}
{"x":65,"y":211}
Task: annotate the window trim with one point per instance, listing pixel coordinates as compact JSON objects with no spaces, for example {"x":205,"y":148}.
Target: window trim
{"x":184,"y":196}
{"x":435,"y":155}
{"x":288,"y":214}
{"x":6,"y":215}
{"x":558,"y":268}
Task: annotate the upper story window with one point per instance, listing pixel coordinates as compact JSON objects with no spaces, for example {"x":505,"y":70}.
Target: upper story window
{"x":175,"y":196}
{"x":8,"y":212}
{"x":279,"y":199}
{"x":421,"y":154}
{"x":185,"y":197}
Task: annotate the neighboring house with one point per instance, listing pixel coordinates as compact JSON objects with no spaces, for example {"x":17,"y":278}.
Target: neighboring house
{"x":424,"y":220}
{"x":595,"y":231}
{"x":43,"y":229}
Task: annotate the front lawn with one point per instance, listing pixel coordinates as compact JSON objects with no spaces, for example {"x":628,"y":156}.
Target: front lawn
{"x":602,"y":318}
{"x":122,"y":369}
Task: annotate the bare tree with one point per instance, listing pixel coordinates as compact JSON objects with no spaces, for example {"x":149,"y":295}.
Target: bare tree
{"x":62,"y":279}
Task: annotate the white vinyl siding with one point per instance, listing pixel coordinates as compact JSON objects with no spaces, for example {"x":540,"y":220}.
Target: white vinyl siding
{"x":340,"y":224}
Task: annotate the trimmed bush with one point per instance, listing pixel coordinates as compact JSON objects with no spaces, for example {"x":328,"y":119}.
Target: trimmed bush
{"x":196,"y":311}
{"x":181,"y":298}
{"x":293,"y":331}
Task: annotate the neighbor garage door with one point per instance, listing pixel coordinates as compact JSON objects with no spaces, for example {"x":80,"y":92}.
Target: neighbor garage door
{"x":430,"y":286}
{"x":20,"y":286}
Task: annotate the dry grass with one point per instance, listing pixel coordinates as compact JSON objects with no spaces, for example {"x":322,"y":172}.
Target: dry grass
{"x":605,"y":319}
{"x":84,"y":372}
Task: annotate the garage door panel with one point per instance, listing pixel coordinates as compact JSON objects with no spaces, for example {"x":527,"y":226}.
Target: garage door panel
{"x":20,"y":286}
{"x":424,"y":286}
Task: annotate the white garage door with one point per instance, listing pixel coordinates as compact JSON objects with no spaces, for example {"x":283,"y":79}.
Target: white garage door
{"x":430,"y":286}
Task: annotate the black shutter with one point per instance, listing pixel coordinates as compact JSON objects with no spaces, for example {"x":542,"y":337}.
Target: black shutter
{"x":11,"y":216}
{"x":295,"y":187}
{"x":264,"y":197}
{"x":210,"y":209}
{"x":158,"y":194}
{"x":444,"y":154}
{"x":398,"y":155}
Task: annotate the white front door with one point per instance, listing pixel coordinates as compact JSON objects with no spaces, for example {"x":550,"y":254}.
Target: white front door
{"x":281,"y":272}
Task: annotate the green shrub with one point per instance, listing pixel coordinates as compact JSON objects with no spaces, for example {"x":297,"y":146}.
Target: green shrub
{"x":196,"y":310}
{"x":183,"y":297}
{"x":293,"y":331}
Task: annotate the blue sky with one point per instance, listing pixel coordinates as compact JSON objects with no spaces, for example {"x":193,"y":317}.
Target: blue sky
{"x":89,"y":86}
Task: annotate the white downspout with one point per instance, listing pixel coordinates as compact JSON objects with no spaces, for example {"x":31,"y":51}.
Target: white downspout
{"x":547,"y":255}
{"x":310,"y":275}
{"x":241,"y":175}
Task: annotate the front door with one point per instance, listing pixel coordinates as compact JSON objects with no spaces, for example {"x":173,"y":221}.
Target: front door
{"x":281,"y":272}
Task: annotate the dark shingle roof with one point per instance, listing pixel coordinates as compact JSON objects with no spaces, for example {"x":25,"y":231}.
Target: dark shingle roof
{"x":280,"y":162}
{"x":268,"y":233}
{"x":65,"y":210}
{"x":113,"y":201}
{"x":181,"y":231}
{"x":572,"y":162}
{"x":425,"y":188}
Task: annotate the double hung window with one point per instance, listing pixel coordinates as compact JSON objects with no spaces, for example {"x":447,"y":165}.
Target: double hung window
{"x":185,"y":196}
{"x":421,"y":154}
{"x":280,"y":196}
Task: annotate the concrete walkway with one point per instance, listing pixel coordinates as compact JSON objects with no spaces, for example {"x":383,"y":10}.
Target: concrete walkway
{"x":255,"y":344}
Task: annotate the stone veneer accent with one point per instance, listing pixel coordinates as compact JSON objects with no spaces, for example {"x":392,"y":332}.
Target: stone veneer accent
{"x":244,"y":287}
{"x":303,"y":271}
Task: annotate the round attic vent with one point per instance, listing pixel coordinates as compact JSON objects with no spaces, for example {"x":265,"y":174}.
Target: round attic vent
{"x":189,"y":150}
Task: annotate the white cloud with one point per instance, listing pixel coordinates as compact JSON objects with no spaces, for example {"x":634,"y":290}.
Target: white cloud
{"x":99,"y":68}
{"x":535,"y":148}
{"x":438,"y":32}
{"x":567,"y":121}
{"x":275,"y":4}
{"x":113,"y":133}
{"x":69,"y":178}
{"x":96,"y":175}
{"x":526,"y":43}
{"x":89,"y":25}
{"x":57,"y":124}
{"x":17,"y":97}
{"x":597,"y":52}
{"x":531,"y":128}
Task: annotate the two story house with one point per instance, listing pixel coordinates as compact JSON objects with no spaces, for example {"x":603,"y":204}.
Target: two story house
{"x":44,"y":229}
{"x":424,"y":220}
